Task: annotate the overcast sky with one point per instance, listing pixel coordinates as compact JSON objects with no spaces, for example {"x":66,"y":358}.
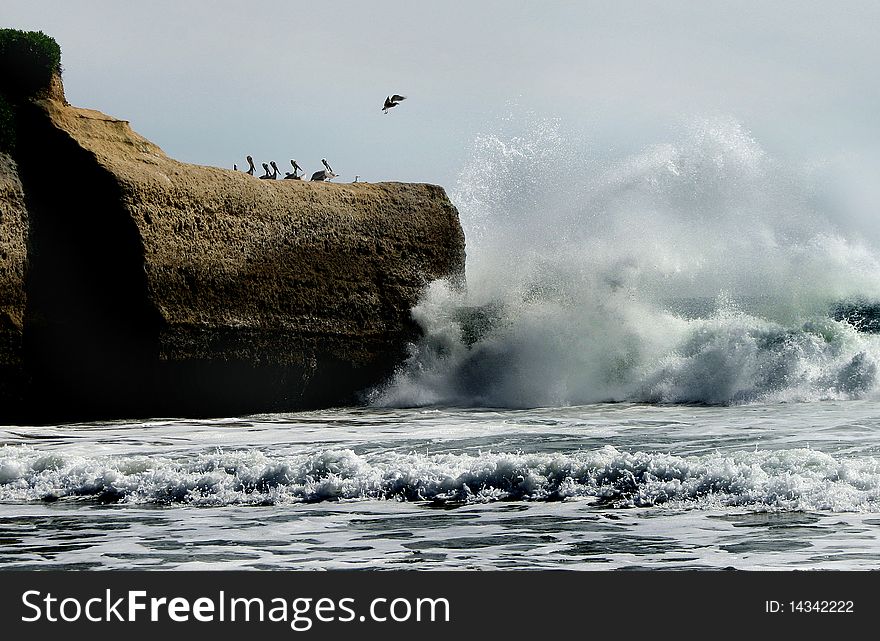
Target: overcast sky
{"x":213,"y":81}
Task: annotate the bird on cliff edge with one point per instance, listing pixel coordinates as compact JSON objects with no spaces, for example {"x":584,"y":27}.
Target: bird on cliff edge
{"x":324,"y":174}
{"x":296,"y":168}
{"x":392,"y":101}
{"x":267,"y":175}
{"x":250,"y":171}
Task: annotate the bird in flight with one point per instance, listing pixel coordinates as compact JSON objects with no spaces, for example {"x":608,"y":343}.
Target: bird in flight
{"x":392,"y":101}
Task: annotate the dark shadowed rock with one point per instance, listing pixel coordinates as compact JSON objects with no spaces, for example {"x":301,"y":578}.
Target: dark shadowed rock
{"x":13,"y":258}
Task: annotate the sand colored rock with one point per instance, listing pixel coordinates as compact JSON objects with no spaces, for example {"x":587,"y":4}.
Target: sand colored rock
{"x":199,"y":290}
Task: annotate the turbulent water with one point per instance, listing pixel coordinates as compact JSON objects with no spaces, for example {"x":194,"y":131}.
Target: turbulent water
{"x":655,"y":336}
{"x":699,"y":271}
{"x":602,"y":486}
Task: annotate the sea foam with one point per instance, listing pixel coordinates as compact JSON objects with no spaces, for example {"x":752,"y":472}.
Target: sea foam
{"x":700,"y":270}
{"x":795,"y":479}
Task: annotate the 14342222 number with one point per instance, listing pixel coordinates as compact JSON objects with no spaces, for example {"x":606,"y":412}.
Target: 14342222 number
{"x":829,"y":607}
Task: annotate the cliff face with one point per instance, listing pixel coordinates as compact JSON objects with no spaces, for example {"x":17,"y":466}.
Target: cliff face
{"x":158,"y":287}
{"x":13,"y":258}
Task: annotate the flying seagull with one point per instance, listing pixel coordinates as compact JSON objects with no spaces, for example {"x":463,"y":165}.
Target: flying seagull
{"x":392,"y":101}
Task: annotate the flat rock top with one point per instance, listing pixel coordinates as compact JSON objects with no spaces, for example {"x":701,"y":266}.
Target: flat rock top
{"x":222,"y":248}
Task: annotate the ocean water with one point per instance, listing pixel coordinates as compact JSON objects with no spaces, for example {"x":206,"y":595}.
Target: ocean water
{"x":587,"y":487}
{"x":645,"y":370}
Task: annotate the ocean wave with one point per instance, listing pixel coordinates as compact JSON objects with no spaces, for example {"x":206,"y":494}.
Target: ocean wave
{"x":700,"y":270}
{"x":794,"y":479}
{"x":544,"y":354}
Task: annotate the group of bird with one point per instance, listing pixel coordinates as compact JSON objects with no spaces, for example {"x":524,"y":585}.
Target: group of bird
{"x":323,"y":175}
{"x":298,"y":172}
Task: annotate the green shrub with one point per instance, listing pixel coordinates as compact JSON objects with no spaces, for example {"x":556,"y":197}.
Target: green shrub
{"x":27,"y":61}
{"x":7,"y":126}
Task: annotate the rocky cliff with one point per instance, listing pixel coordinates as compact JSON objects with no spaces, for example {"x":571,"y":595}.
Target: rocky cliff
{"x":13,"y":257}
{"x":158,"y":287}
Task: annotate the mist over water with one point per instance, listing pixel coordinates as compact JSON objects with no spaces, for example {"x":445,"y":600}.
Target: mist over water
{"x":699,"y":270}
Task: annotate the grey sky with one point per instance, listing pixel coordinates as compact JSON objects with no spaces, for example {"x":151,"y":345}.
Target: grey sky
{"x":213,"y":81}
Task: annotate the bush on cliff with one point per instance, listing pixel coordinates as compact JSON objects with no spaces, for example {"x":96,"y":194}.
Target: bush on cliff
{"x":27,"y":61}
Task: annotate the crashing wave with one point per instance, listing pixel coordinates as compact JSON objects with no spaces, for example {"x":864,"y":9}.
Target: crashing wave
{"x":796,"y":479}
{"x":698,"y":271}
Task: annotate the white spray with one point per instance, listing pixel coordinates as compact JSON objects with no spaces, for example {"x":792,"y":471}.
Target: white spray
{"x":700,"y":270}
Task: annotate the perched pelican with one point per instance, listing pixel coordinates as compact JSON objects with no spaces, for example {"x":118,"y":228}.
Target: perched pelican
{"x":356,"y":178}
{"x":323,"y":175}
{"x":392,"y":101}
{"x":296,"y":168}
{"x":267,"y":175}
{"x":251,"y":167}
{"x":275,"y":171}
